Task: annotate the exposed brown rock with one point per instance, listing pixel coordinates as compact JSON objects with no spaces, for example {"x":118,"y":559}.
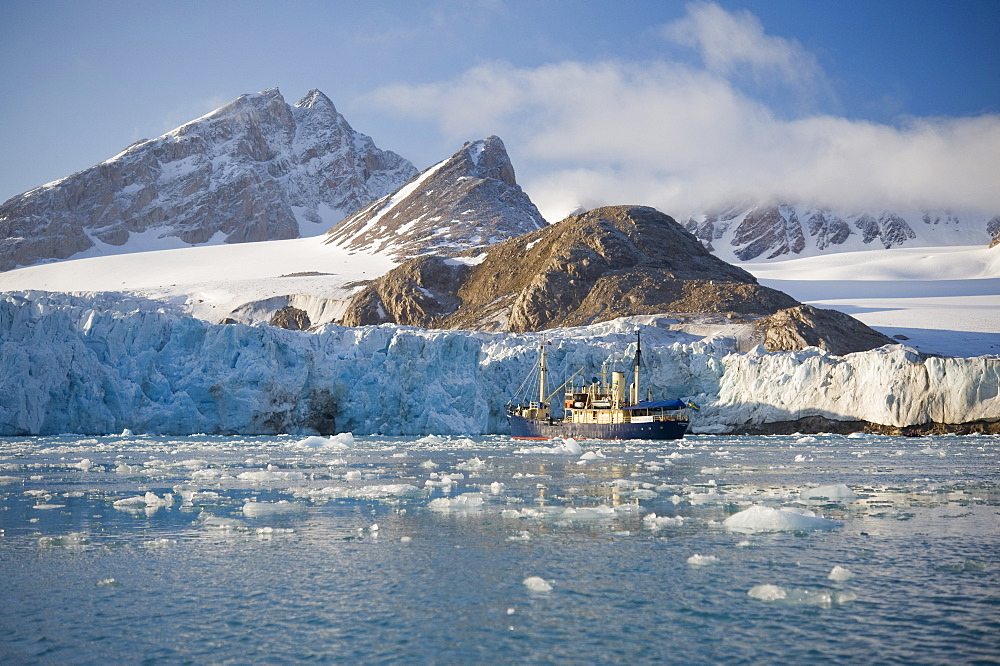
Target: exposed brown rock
{"x":607,"y":263}
{"x":805,"y":326}
{"x":291,"y":318}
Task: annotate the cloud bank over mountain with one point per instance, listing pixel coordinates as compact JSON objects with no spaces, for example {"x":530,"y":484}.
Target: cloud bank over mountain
{"x":754,"y":118}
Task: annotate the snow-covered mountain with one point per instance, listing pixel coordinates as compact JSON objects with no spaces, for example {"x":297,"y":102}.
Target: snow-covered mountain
{"x":101,"y":363}
{"x":466,"y":201}
{"x":753,"y":231}
{"x":256,"y":169}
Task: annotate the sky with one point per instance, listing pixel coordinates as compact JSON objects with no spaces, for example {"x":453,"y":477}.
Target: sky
{"x":678,"y":105}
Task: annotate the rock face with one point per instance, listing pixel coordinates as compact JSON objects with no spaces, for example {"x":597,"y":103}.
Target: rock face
{"x":806,"y":326}
{"x":993,"y":228}
{"x":255,"y":169}
{"x":752,"y":231}
{"x":466,"y":201}
{"x":604,"y":264}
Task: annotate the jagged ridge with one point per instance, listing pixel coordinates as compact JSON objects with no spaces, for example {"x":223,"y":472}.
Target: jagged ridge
{"x":468,"y":200}
{"x":252,"y":170}
{"x":755,"y":231}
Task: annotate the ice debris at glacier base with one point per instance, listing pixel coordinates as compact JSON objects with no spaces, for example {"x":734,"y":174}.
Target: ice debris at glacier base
{"x":109,"y":363}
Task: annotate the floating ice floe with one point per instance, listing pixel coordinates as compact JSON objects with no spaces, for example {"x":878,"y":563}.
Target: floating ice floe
{"x":697,"y":560}
{"x":84,"y":465}
{"x":71,"y":540}
{"x":375,"y":492}
{"x":568,"y":446}
{"x":464,"y":503}
{"x":222,"y":524}
{"x":158,"y":543}
{"x":190,"y":497}
{"x":654,"y":522}
{"x":833,"y":493}
{"x":271,"y":475}
{"x":840,"y":574}
{"x":149,"y":500}
{"x":801,"y":597}
{"x":471,"y":464}
{"x":537,"y":584}
{"x":279,"y":508}
{"x":760,"y":518}
{"x":344,"y":440}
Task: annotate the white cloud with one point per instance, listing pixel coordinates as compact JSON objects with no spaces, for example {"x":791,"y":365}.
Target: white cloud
{"x":681,"y":138}
{"x":734,"y":42}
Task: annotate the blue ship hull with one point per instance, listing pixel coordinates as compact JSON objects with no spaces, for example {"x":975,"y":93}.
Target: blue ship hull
{"x":522,"y":428}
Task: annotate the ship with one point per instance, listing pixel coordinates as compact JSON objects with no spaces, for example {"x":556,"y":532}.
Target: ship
{"x":599,"y":409}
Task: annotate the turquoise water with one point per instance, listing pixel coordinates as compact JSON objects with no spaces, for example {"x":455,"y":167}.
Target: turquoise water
{"x":247,"y":550}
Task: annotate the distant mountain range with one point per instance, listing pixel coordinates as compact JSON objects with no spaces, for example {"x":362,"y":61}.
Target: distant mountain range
{"x":255,"y":169}
{"x":261,"y":169}
{"x":755,"y":231}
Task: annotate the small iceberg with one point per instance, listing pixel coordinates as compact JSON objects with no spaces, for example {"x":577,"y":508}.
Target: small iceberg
{"x":833,"y":493}
{"x":760,"y":518}
{"x":537,"y":584}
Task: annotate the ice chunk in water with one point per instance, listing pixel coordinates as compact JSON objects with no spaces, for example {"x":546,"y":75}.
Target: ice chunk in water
{"x":342,"y":441}
{"x":84,"y":465}
{"x":654,"y":522}
{"x":464,"y":502}
{"x":697,"y":560}
{"x":282,"y":507}
{"x":801,"y":597}
{"x":471,"y":464}
{"x":766,"y":592}
{"x":840,"y":574}
{"x":537,"y":584}
{"x":760,"y":518}
{"x":833,"y":493}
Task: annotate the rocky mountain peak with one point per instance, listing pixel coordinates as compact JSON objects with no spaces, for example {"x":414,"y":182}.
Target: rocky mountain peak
{"x":467,"y":201}
{"x":607,"y":263}
{"x":488,"y":158}
{"x":314,"y":98}
{"x":255,"y":169}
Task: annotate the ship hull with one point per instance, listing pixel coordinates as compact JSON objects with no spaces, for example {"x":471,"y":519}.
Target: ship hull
{"x":522,"y":428}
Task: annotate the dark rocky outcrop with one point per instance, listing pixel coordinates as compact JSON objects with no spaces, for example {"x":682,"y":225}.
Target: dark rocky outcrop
{"x":291,"y":318}
{"x":806,"y":326}
{"x":607,"y":263}
{"x":993,"y":228}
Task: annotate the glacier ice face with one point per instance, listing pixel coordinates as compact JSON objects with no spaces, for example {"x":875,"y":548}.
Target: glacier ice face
{"x":101,"y":363}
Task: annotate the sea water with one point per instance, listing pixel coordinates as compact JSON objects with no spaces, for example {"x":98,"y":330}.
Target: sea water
{"x":786,"y":549}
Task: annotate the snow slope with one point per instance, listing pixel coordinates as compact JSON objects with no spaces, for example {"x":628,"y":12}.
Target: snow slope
{"x":943,"y":300}
{"x":210,"y":282}
{"x":107,"y":362}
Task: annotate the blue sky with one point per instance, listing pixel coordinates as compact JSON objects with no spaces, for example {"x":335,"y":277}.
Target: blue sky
{"x":666,"y":103}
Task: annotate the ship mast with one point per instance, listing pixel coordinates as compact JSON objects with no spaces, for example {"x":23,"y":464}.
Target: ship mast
{"x":638,"y":360}
{"x":541,"y":374}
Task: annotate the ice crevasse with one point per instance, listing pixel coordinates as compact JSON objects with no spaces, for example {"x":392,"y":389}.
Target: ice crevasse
{"x":101,"y":363}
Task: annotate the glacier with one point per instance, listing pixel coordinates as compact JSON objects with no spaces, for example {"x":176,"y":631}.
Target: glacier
{"x":101,"y":363}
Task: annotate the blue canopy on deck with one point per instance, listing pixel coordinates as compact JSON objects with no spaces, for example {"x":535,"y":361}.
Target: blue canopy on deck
{"x":658,"y":404}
